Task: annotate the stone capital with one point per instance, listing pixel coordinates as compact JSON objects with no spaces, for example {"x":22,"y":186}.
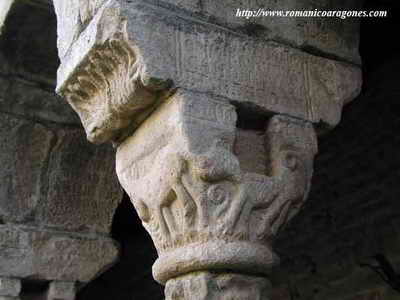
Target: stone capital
{"x":201,"y":209}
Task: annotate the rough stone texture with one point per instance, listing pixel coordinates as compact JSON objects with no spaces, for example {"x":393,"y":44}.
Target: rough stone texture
{"x":26,"y":30}
{"x":28,"y":68}
{"x":225,"y":286}
{"x":353,"y":210}
{"x":44,"y":255}
{"x":82,"y":190}
{"x":179,"y":167}
{"x":10,"y":287}
{"x":59,"y":290}
{"x":55,"y":178}
{"x":24,"y":154}
{"x":195,"y":55}
{"x":28,"y":99}
{"x":197,"y":204}
{"x":52,"y":182}
{"x":250,"y":150}
{"x":352,"y":213}
{"x":330,"y":37}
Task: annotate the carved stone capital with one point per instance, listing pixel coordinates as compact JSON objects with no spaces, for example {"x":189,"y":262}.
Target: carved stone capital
{"x":202,"y":211}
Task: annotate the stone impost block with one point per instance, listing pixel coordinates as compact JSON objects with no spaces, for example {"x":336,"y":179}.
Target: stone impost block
{"x":115,"y":55}
{"x":202,"y":210}
{"x":9,"y":287}
{"x":45,"y":255}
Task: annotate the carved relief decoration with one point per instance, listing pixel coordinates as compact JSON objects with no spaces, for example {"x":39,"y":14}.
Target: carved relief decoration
{"x":201,"y":210}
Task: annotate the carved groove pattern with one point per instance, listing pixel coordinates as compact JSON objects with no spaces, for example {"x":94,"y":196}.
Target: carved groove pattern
{"x":208,"y":198}
{"x":107,"y":92}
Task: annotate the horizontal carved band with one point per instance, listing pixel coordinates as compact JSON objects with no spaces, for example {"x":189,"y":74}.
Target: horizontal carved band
{"x":249,"y":258}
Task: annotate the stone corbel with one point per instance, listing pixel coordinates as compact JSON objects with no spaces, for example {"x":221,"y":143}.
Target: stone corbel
{"x":101,"y":74}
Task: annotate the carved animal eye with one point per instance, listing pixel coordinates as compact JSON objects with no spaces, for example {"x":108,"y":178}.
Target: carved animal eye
{"x":290,"y":160}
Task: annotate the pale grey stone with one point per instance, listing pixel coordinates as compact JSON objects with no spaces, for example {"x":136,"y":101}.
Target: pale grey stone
{"x":217,"y":286}
{"x":192,"y":195}
{"x":54,"y":177}
{"x":196,"y":56}
{"x":333,"y":37}
{"x":250,"y":149}
{"x":83,"y":191}
{"x":44,"y":255}
{"x":61,"y":290}
{"x":24,"y":152}
{"x":29,"y":100}
{"x":10,"y":287}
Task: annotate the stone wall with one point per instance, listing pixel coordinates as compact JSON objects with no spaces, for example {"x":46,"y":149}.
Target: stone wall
{"x":58,"y":193}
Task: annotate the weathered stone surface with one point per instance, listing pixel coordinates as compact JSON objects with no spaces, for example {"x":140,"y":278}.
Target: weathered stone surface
{"x":24,"y":153}
{"x":28,"y":43}
{"x":29,"y":100}
{"x":353,"y":210}
{"x":250,"y":150}
{"x":195,"y":55}
{"x":45,"y":255}
{"x":193,"y":198}
{"x":329,"y":36}
{"x":61,"y":290}
{"x":10,"y":287}
{"x":215,"y":286}
{"x":83,"y":190}
{"x":40,"y":165}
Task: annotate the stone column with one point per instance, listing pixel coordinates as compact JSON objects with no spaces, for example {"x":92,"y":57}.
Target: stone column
{"x":171,"y":90}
